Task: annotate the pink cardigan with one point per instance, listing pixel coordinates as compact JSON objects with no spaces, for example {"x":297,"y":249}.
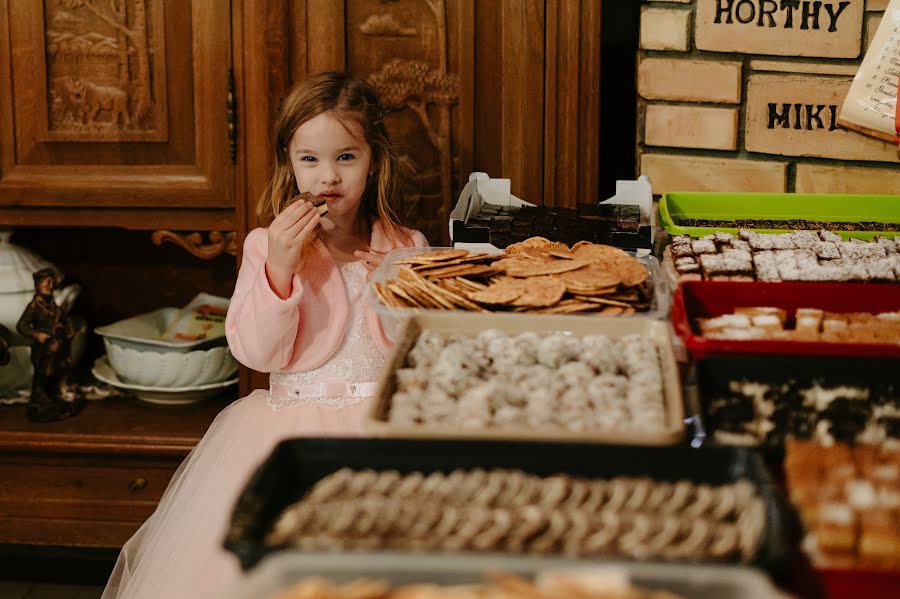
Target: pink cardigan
{"x":300,"y":333}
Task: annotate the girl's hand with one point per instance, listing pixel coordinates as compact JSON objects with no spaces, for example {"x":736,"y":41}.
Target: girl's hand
{"x":287,"y":234}
{"x":371,"y":259}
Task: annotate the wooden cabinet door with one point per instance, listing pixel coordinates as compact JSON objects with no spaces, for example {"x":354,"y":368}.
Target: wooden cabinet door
{"x":117,"y":106}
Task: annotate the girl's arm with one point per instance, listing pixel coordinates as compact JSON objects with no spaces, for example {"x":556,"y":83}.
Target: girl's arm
{"x":260,"y":326}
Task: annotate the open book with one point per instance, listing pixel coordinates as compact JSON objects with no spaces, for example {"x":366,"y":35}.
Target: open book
{"x":871,"y":106}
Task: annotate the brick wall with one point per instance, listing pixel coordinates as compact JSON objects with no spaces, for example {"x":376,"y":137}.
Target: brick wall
{"x":743,"y":95}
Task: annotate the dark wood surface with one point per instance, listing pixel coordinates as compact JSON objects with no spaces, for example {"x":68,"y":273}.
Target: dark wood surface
{"x":92,"y":480}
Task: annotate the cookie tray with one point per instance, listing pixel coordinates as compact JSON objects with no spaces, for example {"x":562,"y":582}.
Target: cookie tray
{"x":279,"y":572}
{"x":706,"y":299}
{"x":714,"y":373}
{"x":377,"y":425}
{"x":392,"y":318}
{"x":295,"y":465}
{"x":825,"y":208}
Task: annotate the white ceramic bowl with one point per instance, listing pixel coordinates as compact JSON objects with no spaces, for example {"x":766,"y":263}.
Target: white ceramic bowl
{"x":170,"y":396}
{"x":143,"y":332}
{"x":170,"y":369}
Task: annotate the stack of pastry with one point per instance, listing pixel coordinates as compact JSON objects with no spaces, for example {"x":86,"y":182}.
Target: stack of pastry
{"x":809,"y":324}
{"x":513,"y":512}
{"x":849,"y":500}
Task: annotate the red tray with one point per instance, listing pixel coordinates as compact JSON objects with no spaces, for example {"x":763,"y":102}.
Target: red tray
{"x":859,"y":584}
{"x":706,"y":299}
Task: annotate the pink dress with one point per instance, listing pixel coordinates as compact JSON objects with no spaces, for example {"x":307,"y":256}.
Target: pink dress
{"x":178,"y":550}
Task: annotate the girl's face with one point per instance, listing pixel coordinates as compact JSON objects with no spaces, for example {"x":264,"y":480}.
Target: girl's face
{"x":330,"y":158}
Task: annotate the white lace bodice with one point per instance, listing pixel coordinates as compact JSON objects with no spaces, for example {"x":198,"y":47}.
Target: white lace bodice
{"x":357,"y":360}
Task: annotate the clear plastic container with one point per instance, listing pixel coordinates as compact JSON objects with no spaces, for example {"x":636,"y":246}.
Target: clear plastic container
{"x":280,"y":571}
{"x":392,"y":318}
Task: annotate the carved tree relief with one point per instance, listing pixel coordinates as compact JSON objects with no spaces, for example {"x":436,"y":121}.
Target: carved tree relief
{"x":106,"y":70}
{"x":429,"y":91}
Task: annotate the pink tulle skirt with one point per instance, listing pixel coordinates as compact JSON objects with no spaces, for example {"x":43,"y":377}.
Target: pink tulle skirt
{"x":178,"y":551}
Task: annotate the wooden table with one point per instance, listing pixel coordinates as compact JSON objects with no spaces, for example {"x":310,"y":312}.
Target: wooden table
{"x":90,"y":481}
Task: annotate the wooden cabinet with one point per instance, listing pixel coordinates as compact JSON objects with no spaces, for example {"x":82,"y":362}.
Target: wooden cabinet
{"x":117,"y":114}
{"x":91,"y":481}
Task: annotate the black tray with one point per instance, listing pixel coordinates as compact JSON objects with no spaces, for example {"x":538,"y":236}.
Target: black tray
{"x":295,"y":465}
{"x":713,"y":374}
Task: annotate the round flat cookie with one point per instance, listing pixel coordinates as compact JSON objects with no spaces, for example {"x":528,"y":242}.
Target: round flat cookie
{"x":545,"y":268}
{"x":435,"y":256}
{"x":542,"y":292}
{"x":598,"y":253}
{"x":502,"y":292}
{"x":631,"y":271}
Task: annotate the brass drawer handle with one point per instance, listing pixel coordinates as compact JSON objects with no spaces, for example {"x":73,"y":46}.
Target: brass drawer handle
{"x":137,"y":484}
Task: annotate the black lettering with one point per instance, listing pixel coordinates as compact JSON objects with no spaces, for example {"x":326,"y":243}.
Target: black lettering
{"x":797,"y":123}
{"x":763,"y":5}
{"x":724,"y":7}
{"x":783,"y":119}
{"x":789,"y":6}
{"x":750,"y":17}
{"x":811,"y":12}
{"x":814,"y":116}
{"x":833,"y":16}
{"x":833,"y":110}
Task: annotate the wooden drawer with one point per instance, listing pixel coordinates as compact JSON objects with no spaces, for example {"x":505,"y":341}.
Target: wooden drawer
{"x":78,"y":500}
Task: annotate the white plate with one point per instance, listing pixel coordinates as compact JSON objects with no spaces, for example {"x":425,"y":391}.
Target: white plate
{"x":159,"y":395}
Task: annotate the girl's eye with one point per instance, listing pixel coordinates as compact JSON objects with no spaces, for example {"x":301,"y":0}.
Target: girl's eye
{"x":307,"y":159}
{"x":346,"y":157}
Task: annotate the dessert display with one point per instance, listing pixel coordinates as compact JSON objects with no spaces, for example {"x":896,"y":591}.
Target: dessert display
{"x":515,"y":512}
{"x":618,"y":225}
{"x":749,"y":412}
{"x":798,"y":256}
{"x":493,"y":380}
{"x":499,"y":585}
{"x":793,"y":224}
{"x":849,"y":500}
{"x":803,"y":324}
{"x":537,"y":276}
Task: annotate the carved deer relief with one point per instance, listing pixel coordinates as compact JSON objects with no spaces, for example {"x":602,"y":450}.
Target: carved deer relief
{"x":105,"y":70}
{"x":89,"y":99}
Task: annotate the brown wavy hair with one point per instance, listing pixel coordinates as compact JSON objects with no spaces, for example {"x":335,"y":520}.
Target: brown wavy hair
{"x":349,"y":99}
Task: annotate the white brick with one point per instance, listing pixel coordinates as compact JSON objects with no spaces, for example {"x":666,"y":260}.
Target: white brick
{"x":689,"y":80}
{"x":820,"y":178}
{"x":764,"y":27}
{"x":691,"y":127}
{"x":665,"y":29}
{"x":765,"y":130}
{"x":669,"y":172}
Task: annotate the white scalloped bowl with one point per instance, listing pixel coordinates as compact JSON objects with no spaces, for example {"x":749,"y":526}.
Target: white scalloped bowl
{"x":171,"y":369}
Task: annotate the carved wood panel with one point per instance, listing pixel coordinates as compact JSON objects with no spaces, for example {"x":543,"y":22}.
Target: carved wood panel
{"x":509,"y":87}
{"x":105,"y":71}
{"x":119,"y":106}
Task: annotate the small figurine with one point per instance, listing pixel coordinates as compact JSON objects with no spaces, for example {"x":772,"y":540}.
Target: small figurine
{"x":51,"y":333}
{"x":5,"y":354}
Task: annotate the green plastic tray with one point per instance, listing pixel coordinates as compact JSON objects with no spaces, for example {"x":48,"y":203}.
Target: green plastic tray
{"x":835,"y":208}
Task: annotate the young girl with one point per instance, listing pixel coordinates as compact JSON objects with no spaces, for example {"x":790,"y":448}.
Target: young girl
{"x":297,"y":313}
